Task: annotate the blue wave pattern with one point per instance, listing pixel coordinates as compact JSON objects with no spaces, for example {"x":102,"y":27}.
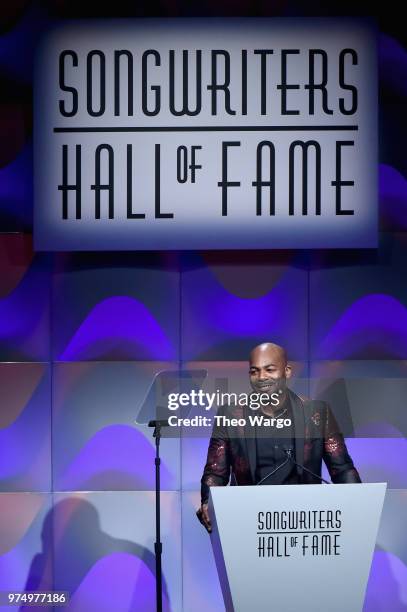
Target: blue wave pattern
{"x":57,"y":310}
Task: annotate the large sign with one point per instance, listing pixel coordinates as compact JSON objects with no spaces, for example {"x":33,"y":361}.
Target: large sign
{"x":206,"y":134}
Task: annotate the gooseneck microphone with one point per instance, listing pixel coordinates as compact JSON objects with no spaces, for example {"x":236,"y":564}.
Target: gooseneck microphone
{"x":274,"y":471}
{"x":289,"y":453}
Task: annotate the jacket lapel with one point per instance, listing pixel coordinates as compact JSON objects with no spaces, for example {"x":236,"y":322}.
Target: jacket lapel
{"x":250,"y":442}
{"x":299,"y":429}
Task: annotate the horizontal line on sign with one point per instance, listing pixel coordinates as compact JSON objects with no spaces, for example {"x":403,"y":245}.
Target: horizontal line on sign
{"x":213,"y":128}
{"x":287,"y":532}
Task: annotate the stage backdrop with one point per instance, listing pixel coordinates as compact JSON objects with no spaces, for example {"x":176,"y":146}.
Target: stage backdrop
{"x":82,"y":335}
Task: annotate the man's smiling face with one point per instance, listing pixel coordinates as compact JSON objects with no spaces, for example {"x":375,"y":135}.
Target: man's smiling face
{"x":268,"y":369}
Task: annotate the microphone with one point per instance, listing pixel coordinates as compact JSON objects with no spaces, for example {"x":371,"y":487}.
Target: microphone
{"x":290,"y":457}
{"x":274,"y":471}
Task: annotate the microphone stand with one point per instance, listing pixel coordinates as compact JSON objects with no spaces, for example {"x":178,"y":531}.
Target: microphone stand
{"x":288,"y":452}
{"x":158,"y":548}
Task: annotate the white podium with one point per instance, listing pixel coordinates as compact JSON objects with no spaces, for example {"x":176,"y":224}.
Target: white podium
{"x":295,"y":548}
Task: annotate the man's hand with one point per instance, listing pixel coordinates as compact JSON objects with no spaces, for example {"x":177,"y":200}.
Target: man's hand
{"x":203,"y":516}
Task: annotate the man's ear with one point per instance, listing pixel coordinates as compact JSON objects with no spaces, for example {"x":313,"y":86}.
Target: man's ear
{"x":288,"y":371}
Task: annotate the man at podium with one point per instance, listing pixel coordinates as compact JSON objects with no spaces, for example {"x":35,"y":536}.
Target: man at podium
{"x":247,"y":452}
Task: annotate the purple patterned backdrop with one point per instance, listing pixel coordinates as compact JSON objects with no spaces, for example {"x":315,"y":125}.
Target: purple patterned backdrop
{"x":81,"y":337}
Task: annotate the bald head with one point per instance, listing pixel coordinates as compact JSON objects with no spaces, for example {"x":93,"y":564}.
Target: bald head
{"x":269,"y":351}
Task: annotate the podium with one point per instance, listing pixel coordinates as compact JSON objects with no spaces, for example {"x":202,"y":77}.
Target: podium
{"x":295,"y":547}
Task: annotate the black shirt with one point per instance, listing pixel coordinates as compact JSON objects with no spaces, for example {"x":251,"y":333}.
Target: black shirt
{"x":270,"y":445}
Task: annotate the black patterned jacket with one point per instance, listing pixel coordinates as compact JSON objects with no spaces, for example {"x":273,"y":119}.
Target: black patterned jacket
{"x":232,"y":449}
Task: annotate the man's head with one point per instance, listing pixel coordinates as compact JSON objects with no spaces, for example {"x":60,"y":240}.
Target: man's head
{"x":269,"y":369}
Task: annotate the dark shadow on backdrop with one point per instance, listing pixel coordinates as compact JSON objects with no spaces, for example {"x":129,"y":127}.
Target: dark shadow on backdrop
{"x":82,"y":544}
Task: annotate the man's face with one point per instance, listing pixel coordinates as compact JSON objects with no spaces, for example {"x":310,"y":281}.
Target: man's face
{"x":268,"y":370}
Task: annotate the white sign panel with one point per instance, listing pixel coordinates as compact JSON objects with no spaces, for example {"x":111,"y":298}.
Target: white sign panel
{"x":291,"y":547}
{"x":206,"y":134}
